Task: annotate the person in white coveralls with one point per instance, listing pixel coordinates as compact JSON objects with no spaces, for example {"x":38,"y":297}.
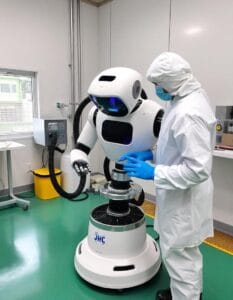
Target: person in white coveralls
{"x":181,"y":174}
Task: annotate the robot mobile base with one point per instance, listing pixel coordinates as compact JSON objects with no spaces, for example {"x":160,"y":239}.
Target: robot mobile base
{"x":117,"y":256}
{"x":99,"y":270}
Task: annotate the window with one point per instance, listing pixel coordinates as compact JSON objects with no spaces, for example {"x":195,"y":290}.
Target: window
{"x":17,"y":102}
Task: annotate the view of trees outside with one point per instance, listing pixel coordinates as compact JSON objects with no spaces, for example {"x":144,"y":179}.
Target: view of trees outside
{"x":16,"y":109}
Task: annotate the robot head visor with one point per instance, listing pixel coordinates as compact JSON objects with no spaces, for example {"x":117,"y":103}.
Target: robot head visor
{"x":112,"y":106}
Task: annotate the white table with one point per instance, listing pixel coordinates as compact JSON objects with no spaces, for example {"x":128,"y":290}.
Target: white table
{"x":223,"y":153}
{"x":8,"y":146}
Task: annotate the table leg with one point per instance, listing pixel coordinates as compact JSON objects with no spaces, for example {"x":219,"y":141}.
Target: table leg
{"x":13,"y":199}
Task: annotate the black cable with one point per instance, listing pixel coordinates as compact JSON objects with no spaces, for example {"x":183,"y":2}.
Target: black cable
{"x":58,"y":188}
{"x":80,"y":199}
{"x":53,"y":147}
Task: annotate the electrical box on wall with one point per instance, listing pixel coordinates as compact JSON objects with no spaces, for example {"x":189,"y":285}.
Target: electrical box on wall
{"x":44,"y":129}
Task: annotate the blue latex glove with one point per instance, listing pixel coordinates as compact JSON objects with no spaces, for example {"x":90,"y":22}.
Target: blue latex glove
{"x":162,"y":94}
{"x":141,"y":155}
{"x":138,"y":168}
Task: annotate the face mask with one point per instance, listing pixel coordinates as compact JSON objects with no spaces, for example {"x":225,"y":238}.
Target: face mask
{"x":162,"y":94}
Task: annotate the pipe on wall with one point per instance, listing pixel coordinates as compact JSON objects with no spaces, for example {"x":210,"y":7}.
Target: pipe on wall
{"x":75,"y":58}
{"x":72,"y":67}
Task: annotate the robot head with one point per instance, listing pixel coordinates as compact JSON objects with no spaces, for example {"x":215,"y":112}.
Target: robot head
{"x":116,"y":91}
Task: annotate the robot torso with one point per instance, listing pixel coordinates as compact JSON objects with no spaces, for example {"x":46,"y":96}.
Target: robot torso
{"x":135,"y":132}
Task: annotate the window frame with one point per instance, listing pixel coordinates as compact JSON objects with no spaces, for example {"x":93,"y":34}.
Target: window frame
{"x":35,"y":102}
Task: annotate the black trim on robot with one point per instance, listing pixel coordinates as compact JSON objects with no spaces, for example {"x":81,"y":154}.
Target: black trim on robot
{"x":107,"y":173}
{"x":83,"y":148}
{"x":117,"y":132}
{"x":118,"y":166}
{"x":157,"y":122}
{"x":124,"y":268}
{"x":107,"y":78}
{"x":144,"y":97}
{"x":136,"y":106}
{"x":143,"y":94}
{"x":95,"y":116}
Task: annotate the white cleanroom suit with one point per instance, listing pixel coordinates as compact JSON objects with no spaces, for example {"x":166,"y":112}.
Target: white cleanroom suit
{"x":184,"y":187}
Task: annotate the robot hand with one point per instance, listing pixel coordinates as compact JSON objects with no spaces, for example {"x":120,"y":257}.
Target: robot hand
{"x":141,"y":155}
{"x":79,"y":162}
{"x":81,"y":167}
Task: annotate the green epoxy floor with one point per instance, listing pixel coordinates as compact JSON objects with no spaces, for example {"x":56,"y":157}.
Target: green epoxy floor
{"x":37,"y":250}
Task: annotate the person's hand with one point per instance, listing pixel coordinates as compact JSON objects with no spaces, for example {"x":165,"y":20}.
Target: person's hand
{"x":141,"y":155}
{"x":138,"y":168}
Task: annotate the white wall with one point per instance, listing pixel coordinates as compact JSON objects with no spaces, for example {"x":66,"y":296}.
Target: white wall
{"x":89,"y":45}
{"x":35,"y":36}
{"x":135,"y":31}
{"x":201,"y":31}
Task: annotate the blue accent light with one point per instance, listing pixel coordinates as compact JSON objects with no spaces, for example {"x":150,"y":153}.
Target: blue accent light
{"x":113,"y":104}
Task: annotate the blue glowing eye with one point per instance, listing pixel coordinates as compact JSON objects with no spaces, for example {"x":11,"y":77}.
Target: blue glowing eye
{"x":112,"y":101}
{"x":113,"y":107}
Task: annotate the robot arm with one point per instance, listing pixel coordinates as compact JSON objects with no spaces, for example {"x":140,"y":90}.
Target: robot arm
{"x":85,"y":142}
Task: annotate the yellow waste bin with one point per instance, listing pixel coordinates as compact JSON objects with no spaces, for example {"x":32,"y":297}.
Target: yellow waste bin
{"x":42,"y":183}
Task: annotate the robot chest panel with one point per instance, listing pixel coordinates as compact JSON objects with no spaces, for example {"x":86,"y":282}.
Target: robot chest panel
{"x":125,"y":132}
{"x":117,"y":132}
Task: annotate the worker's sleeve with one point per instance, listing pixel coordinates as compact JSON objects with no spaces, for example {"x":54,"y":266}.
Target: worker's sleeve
{"x":192,"y":138}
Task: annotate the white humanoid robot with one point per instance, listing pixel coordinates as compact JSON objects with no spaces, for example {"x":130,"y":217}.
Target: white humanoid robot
{"x":117,"y":253}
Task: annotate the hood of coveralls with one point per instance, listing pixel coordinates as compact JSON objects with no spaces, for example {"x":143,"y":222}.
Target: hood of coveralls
{"x":173,"y":73}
